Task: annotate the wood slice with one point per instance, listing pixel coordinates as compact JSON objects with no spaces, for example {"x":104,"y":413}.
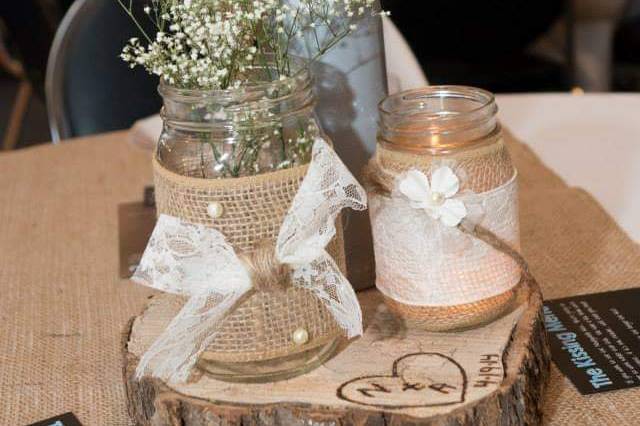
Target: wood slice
{"x":392,"y":375}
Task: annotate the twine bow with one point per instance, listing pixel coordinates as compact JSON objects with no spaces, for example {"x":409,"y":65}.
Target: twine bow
{"x":265,"y":270}
{"x":197,"y":262}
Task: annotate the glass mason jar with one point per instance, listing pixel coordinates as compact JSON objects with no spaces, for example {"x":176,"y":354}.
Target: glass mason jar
{"x":435,"y":274}
{"x":233,"y":160}
{"x":238,"y":132}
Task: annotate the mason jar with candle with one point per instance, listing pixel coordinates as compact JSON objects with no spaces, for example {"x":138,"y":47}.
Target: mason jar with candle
{"x":441,"y":173}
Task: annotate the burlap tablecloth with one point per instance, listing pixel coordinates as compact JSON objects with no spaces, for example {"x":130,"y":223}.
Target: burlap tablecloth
{"x":63,"y":307}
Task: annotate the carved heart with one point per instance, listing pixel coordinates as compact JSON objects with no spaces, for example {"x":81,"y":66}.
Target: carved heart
{"x":424,"y":379}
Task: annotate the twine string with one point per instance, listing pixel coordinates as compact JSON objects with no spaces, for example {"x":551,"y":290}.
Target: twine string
{"x":267,"y":273}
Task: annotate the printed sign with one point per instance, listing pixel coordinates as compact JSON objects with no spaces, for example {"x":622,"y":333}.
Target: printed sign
{"x":66,"y":419}
{"x":595,"y":339}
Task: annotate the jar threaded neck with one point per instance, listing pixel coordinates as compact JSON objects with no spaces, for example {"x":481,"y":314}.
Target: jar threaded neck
{"x":437,"y":119}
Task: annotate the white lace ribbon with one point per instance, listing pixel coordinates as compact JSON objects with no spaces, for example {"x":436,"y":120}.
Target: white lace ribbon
{"x":423,"y":260}
{"x":197,"y":262}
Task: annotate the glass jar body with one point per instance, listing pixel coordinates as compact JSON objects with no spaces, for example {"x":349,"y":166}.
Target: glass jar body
{"x":436,"y":275}
{"x":238,"y":132}
{"x":233,"y":160}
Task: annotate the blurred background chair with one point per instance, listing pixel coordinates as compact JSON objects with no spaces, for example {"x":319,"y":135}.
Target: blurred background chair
{"x":19,"y":107}
{"x":89,"y":89}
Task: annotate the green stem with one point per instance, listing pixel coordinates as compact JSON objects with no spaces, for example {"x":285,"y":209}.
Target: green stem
{"x":133,"y":18}
{"x":328,"y":47}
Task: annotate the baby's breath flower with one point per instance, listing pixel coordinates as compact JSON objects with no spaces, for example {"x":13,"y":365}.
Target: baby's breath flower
{"x":210,"y":44}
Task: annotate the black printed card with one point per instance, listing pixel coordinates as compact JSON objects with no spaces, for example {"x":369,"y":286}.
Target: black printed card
{"x":66,"y":419}
{"x":595,"y":339}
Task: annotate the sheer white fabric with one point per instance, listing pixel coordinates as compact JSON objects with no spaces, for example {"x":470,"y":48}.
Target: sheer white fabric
{"x":420,"y":261}
{"x":309,"y":226}
{"x":197,"y":262}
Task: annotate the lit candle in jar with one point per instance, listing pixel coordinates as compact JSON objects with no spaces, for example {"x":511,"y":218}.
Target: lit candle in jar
{"x":443,"y":162}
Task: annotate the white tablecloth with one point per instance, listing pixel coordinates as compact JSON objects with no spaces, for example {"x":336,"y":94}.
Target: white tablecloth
{"x":591,"y":141}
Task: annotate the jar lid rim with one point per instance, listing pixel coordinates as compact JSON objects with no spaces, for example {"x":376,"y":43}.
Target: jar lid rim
{"x":485,"y":101}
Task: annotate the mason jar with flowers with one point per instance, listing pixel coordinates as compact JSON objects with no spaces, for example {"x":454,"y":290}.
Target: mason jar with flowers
{"x":248,"y":189}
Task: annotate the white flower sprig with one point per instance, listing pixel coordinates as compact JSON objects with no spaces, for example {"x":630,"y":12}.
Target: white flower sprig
{"x":438,"y":197}
{"x":210,"y":44}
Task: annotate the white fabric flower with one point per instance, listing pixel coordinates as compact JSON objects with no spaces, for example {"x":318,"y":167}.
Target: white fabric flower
{"x":437,"y":197}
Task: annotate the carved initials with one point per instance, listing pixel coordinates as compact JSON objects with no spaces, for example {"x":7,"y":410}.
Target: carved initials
{"x":413,"y":386}
{"x":376,"y":388}
{"x":441,"y":387}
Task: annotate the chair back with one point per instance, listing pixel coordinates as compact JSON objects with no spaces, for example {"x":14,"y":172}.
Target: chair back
{"x":89,"y":89}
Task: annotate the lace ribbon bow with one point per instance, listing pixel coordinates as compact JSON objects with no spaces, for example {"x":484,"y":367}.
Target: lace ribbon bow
{"x":197,"y":262}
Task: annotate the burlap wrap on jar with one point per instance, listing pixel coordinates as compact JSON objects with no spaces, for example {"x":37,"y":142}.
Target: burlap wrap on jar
{"x":444,"y":208}
{"x":250,"y":211}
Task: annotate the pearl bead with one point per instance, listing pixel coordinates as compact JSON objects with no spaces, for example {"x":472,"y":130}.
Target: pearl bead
{"x":300,"y":336}
{"x":437,"y":198}
{"x":215,"y":210}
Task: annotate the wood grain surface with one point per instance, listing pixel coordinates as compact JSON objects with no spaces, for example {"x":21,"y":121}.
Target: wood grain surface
{"x":393,"y":374}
